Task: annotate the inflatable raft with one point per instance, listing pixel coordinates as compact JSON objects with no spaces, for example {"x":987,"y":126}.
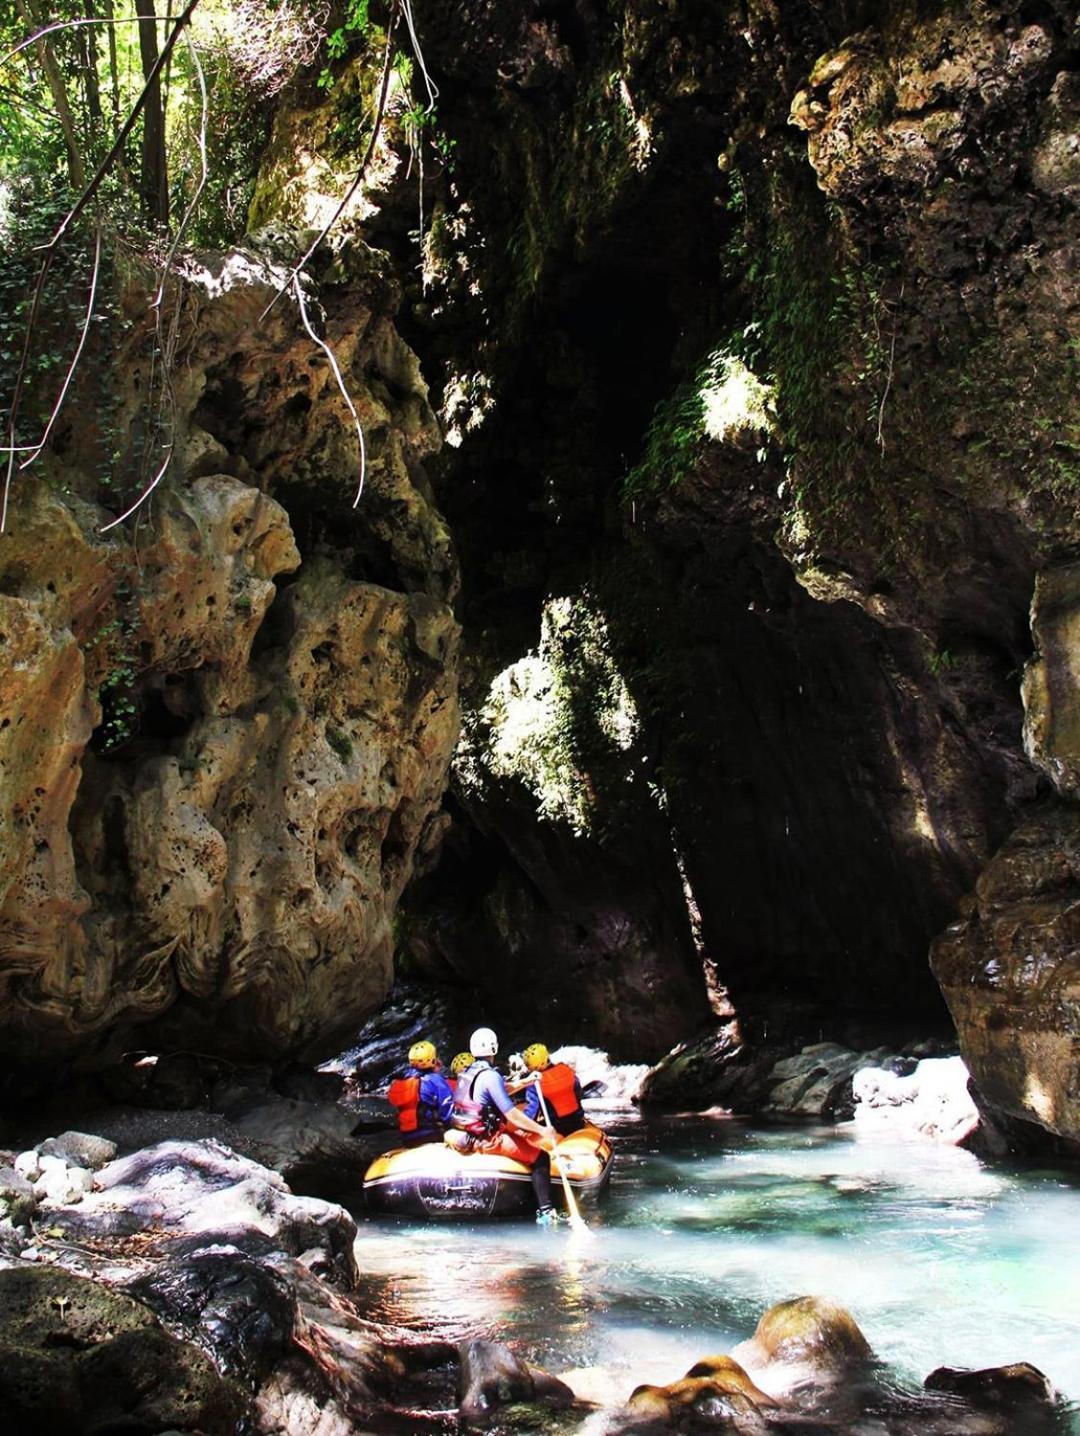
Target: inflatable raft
{"x":437,"y":1181}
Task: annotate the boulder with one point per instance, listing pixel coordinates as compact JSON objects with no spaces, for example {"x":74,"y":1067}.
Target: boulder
{"x":77,"y":1356}
{"x":79,"y":1149}
{"x":1020,"y":1392}
{"x":697,"y":1403}
{"x":204,"y":1190}
{"x":817,"y":1082}
{"x":309,"y":1143}
{"x":490,"y":1375}
{"x":17,"y":1199}
{"x":807,"y":1339}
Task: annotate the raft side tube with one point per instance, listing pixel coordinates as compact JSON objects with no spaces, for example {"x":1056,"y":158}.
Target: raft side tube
{"x":435,"y":1180}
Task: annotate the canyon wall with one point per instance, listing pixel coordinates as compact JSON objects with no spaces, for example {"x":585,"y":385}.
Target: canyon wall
{"x":753,"y":333}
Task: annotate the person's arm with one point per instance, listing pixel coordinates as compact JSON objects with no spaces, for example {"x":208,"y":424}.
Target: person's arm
{"x":513,"y":1116}
{"x":532,"y":1103}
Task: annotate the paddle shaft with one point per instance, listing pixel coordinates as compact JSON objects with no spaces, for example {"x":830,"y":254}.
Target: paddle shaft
{"x":576,"y":1218}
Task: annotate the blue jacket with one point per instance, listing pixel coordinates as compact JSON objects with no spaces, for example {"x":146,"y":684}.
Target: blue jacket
{"x":436,"y":1100}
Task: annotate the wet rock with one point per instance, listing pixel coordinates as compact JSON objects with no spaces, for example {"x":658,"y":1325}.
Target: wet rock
{"x":716,"y":1393}
{"x":1020,"y":1391}
{"x":491,"y":1376}
{"x":818,"y":1081}
{"x":808,"y":1339}
{"x":933,"y":1101}
{"x":79,"y":1149}
{"x":77,"y":1356}
{"x":240,"y":1311}
{"x":1010,"y":970}
{"x":413,"y":1011}
{"x":204,"y":1190}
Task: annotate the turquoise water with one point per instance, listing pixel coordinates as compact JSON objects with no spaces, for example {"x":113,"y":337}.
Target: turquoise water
{"x":942,"y":1260}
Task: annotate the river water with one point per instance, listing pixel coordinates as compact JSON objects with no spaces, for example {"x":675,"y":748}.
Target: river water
{"x":942,"y":1260}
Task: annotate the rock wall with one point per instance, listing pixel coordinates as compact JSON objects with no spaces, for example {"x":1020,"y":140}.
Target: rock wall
{"x":753,"y":332}
{"x":226,"y":737}
{"x":834,"y":241}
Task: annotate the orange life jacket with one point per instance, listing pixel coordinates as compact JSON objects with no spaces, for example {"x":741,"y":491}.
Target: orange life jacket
{"x":557,"y":1084}
{"x":404,"y":1093}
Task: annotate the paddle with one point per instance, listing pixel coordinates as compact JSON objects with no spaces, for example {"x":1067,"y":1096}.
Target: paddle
{"x":577,"y":1223}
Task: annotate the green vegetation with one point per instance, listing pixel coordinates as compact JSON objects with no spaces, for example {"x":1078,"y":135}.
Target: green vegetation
{"x":567,"y":173}
{"x":340,"y":742}
{"x":560,"y":721}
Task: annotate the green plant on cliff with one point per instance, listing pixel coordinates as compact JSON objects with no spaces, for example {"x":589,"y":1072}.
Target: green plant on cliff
{"x":723,"y":401}
{"x":560,"y":721}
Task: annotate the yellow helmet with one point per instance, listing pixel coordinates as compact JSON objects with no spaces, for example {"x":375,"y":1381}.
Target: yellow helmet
{"x":536,"y":1057}
{"x":461,"y":1063}
{"x":423,"y":1054}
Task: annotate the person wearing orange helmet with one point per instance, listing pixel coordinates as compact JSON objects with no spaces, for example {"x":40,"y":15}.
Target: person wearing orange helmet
{"x":422,"y":1096}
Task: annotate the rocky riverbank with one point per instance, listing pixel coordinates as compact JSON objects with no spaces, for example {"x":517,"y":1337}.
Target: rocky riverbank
{"x":179,"y":1267}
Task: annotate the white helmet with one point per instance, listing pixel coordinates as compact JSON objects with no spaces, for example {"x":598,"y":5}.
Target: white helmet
{"x":483,"y":1043}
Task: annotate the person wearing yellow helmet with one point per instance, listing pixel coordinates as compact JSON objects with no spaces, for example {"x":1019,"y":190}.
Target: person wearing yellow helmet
{"x":561,"y":1091}
{"x":422,"y":1096}
{"x":460,"y":1063}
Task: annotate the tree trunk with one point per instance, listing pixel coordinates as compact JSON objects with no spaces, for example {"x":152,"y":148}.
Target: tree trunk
{"x":76,"y":170}
{"x":154,"y":175}
{"x":87,"y":41}
{"x":114,"y":68}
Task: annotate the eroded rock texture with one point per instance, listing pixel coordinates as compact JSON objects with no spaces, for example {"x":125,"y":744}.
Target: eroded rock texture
{"x":838,"y":242}
{"x":224,"y":742}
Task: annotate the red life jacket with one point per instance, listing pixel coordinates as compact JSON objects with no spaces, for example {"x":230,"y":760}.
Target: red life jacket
{"x":557,"y":1084}
{"x":404,"y":1093}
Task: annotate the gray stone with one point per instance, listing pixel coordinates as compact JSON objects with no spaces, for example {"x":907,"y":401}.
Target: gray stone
{"x":79,"y":1149}
{"x":204,"y":1190}
{"x":17,"y":1202}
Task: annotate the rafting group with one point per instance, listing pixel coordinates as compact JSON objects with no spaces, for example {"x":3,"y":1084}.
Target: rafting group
{"x":479,"y":1146}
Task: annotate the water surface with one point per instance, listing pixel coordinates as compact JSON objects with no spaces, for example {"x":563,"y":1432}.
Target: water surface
{"x":942,"y":1260}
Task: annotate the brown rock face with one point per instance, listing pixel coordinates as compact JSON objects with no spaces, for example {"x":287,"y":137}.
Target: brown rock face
{"x":224,"y":743}
{"x":1010,"y":973}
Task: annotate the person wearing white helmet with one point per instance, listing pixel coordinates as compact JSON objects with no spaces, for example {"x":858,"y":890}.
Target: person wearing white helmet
{"x":485,"y":1111}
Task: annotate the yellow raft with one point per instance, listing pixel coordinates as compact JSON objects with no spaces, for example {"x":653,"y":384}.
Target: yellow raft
{"x":438,"y":1181}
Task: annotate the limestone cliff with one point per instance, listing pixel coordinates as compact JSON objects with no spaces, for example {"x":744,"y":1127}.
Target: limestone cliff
{"x":225,"y":737}
{"x":835,"y":242}
{"x":753,"y":332}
